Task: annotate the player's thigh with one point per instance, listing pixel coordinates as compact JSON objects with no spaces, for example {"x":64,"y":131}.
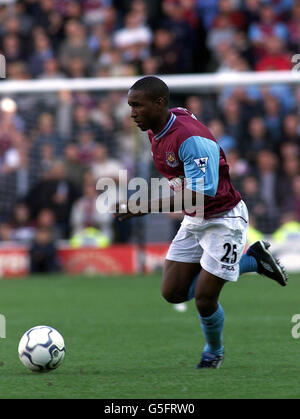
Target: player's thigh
{"x":177,"y":279}
{"x":223,"y":244}
{"x":181,"y":266}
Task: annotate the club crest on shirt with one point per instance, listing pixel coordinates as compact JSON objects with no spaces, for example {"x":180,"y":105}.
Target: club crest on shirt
{"x":201,"y":163}
{"x":171,"y":159}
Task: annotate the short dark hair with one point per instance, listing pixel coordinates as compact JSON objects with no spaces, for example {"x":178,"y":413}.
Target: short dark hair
{"x":153,"y":87}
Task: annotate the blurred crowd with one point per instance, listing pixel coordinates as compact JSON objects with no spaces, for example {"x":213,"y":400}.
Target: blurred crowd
{"x":55,"y":146}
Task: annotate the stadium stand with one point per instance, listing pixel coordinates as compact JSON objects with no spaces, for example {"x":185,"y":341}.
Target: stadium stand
{"x":51,"y":144}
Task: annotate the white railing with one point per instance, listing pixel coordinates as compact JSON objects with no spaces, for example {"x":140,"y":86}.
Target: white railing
{"x":177,"y":83}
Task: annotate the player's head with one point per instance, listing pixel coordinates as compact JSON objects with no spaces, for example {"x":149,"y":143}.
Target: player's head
{"x":149,"y":102}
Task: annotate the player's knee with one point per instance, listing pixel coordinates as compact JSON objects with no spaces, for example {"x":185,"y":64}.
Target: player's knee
{"x":172,"y":297}
{"x":206,"y":305}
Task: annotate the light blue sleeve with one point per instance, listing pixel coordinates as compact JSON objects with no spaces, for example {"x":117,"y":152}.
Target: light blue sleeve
{"x":254,"y":33}
{"x":200,"y":157}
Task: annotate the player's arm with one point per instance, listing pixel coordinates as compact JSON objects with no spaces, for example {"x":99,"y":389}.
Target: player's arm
{"x":200,"y":157}
{"x":185,"y":200}
{"x":169,"y":204}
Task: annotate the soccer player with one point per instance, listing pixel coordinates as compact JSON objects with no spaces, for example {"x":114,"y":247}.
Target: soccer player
{"x":207,"y":251}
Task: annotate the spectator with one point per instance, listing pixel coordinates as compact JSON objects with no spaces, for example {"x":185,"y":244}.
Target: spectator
{"x":256,"y":140}
{"x":267,"y":26}
{"x":85,"y":213}
{"x":294,"y":27}
{"x":231,"y":10}
{"x":86,"y":147}
{"x":134,"y":39}
{"x":275,"y":57}
{"x":234,"y":121}
{"x":43,"y":253}
{"x":165,"y":51}
{"x":248,"y":98}
{"x":102,"y":115}
{"x":225,"y":141}
{"x":76,"y":68}
{"x":239,"y":167}
{"x":266,"y":166}
{"x":46,"y":160}
{"x":201,"y":110}
{"x":282,"y":8}
{"x":250,"y":10}
{"x":6,"y":233}
{"x":207,"y":11}
{"x":17,"y":70}
{"x":57,"y":193}
{"x":12,"y":49}
{"x":283,"y":93}
{"x":40,"y":11}
{"x":222,"y":31}
{"x":73,"y":10}
{"x":51,"y":69}
{"x":295,"y":204}
{"x":230,"y":62}
{"x":46,"y":134}
{"x":126,"y":145}
{"x":149,"y":66}
{"x":273,"y":116}
{"x":105,"y":51}
{"x":42,"y":52}
{"x":15,"y":168}
{"x":23,"y":227}
{"x":75,"y":170}
{"x":289,"y":150}
{"x":12,"y":26}
{"x":96,"y":36}
{"x":256,"y":206}
{"x":119,"y":105}
{"x":289,"y":170}
{"x":75,"y":46}
{"x":105,"y":167}
{"x":187,"y":9}
{"x":94,"y":11}
{"x":55,"y":30}
{"x":82,"y":121}
{"x":290,"y":129}
{"x":46,"y":219}
{"x":185,"y":34}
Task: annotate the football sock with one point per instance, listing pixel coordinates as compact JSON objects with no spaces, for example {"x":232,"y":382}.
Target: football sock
{"x":247,"y":264}
{"x":191,"y":292}
{"x":212,"y":327}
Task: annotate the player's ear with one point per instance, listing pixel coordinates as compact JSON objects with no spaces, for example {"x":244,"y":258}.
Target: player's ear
{"x":160,"y":102}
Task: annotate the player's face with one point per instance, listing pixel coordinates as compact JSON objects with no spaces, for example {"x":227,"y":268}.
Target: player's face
{"x":145,"y":112}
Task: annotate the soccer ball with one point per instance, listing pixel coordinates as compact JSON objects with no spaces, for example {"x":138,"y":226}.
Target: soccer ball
{"x":41,"y":349}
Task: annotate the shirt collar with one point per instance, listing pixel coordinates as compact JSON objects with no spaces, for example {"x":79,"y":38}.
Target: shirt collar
{"x":168,"y":125}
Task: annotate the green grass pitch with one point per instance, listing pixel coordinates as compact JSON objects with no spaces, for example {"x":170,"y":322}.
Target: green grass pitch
{"x":124,"y":341}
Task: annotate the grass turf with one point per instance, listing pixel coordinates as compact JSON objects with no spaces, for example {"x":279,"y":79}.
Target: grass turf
{"x":124,"y":341}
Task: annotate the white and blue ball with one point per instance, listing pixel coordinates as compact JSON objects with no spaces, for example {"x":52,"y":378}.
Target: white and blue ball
{"x":41,"y":348}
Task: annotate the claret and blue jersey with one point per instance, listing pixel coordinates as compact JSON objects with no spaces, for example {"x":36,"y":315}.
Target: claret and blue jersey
{"x":186,"y":148}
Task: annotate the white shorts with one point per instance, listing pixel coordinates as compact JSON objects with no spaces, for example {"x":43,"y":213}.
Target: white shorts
{"x":217,"y":244}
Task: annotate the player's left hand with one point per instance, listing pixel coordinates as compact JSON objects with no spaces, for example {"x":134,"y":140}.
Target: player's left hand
{"x":123,"y":213}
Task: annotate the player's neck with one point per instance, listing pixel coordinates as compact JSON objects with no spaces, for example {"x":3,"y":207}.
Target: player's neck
{"x":161,"y":123}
